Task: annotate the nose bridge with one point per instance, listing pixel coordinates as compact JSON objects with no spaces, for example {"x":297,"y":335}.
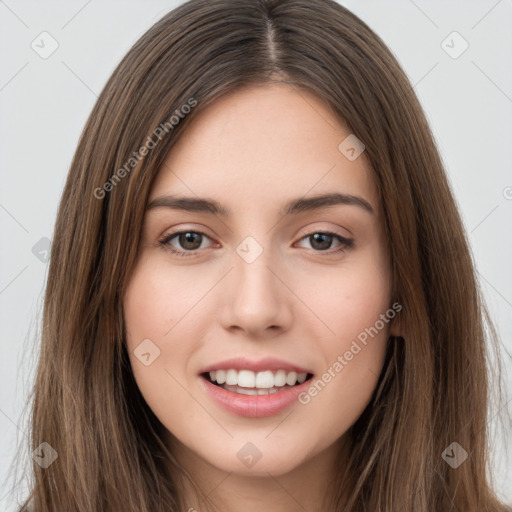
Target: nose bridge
{"x":257,"y":297}
{"x":254,"y":279}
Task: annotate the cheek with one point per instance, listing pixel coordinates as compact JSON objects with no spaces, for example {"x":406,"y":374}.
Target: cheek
{"x":159,"y":305}
{"x":349,"y":298}
{"x":358,"y":313}
{"x":152,"y":311}
{"x":339,"y":394}
{"x":157,"y":299}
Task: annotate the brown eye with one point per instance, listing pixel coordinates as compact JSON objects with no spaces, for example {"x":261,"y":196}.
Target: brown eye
{"x":322,"y":241}
{"x":188,"y":242}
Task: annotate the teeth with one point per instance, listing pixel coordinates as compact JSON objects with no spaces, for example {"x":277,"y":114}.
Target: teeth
{"x":265,"y":380}
{"x":221,"y":376}
{"x":280,"y":378}
{"x":231,"y":377}
{"x":252,"y":391}
{"x":291,"y":378}
{"x":246,"y":379}
{"x":301,"y":377}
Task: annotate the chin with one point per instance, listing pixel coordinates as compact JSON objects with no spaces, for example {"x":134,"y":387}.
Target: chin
{"x":255,"y":458}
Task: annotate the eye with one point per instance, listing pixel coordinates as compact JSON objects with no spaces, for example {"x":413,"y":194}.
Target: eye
{"x":322,"y":241}
{"x":189,"y":240}
{"x":192,"y":241}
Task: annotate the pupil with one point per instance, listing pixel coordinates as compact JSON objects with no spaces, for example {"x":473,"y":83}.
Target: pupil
{"x":187,"y":241}
{"x":323,"y":243}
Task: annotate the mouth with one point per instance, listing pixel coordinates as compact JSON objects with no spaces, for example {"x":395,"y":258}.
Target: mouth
{"x":247,"y":382}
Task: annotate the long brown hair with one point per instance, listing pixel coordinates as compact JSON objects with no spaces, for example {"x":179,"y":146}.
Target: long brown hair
{"x":433,"y":389}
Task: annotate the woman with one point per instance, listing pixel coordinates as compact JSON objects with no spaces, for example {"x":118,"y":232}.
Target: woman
{"x":260,"y":292}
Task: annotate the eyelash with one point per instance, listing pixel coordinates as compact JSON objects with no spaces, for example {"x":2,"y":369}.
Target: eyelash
{"x":346,"y":243}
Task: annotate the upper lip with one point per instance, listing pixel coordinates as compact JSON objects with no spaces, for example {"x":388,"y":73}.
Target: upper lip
{"x":242,"y":363}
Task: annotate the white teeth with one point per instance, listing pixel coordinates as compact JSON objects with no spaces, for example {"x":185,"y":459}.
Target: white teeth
{"x":252,"y":391}
{"x":280,"y":378}
{"x":231,"y":378}
{"x":265,"y":380}
{"x":301,"y":377}
{"x":246,"y":379}
{"x":246,"y":391}
{"x":291,"y":378}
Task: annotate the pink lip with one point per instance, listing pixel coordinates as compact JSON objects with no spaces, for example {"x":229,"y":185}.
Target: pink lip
{"x":268,"y":363}
{"x":254,"y":406}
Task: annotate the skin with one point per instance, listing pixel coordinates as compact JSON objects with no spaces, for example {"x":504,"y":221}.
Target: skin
{"x":252,"y":151}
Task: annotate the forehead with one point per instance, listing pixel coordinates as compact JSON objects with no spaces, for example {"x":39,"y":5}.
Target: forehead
{"x":261,"y":145}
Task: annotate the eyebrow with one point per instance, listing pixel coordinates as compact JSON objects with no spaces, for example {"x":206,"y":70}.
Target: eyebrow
{"x":295,"y":206}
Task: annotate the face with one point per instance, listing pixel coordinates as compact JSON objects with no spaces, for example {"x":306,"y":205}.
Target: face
{"x":263,"y":292}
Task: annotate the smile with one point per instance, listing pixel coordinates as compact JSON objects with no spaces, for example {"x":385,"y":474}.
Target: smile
{"x":256,"y":392}
{"x":247,"y":382}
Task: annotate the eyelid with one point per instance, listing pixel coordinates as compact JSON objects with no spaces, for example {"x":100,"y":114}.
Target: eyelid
{"x":326,"y":230}
{"x":345,"y":242}
{"x":167,"y":238}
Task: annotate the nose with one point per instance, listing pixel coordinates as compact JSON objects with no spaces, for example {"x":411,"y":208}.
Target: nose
{"x":256,"y":299}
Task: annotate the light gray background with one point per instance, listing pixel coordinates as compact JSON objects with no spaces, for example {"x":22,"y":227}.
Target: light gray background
{"x":45,"y":102}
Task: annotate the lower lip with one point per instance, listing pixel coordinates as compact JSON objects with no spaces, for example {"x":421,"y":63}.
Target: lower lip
{"x":254,"y":406}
